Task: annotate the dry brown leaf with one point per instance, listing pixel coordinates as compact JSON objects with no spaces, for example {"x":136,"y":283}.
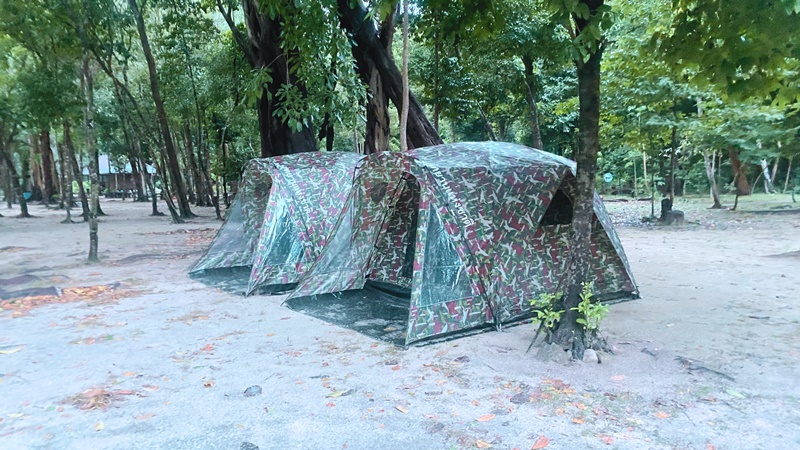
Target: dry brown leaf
{"x":150,"y":387}
{"x":661,"y":415}
{"x":207,"y":348}
{"x":209,"y":383}
{"x":401,"y":409}
{"x":129,"y":374}
{"x":710,"y":447}
{"x":540,"y":443}
{"x":578,"y":420}
{"x":608,"y":440}
{"x":483,"y":444}
{"x":486,"y":418}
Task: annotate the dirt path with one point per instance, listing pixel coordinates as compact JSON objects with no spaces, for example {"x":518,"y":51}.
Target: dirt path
{"x":140,"y":356}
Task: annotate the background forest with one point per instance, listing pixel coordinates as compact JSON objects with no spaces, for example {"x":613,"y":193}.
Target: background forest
{"x":696,"y":98}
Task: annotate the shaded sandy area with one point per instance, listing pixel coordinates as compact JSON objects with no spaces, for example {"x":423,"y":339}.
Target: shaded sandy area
{"x":141,"y":356}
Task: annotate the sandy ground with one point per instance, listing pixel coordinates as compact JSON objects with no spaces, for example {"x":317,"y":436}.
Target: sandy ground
{"x":142,"y":357}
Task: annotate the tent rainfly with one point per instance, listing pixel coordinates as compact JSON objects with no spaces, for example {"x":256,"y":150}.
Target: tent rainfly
{"x":466,"y":234}
{"x":280,"y":218}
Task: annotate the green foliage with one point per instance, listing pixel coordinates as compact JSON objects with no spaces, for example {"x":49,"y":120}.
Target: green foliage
{"x":547,"y":312}
{"x":591,"y":313}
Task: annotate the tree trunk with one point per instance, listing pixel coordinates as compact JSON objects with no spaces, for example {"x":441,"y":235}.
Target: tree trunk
{"x":369,"y":52}
{"x":788,"y":174}
{"x":264,"y":35}
{"x":404,"y":108}
{"x":34,"y":170}
{"x":66,"y":191}
{"x":378,"y":124}
{"x":672,"y":164}
{"x":91,"y":149}
{"x":569,"y":333}
{"x":8,"y":187}
{"x":196,"y":178}
{"x":48,"y":185}
{"x":18,"y":180}
{"x":165,"y":192}
{"x":536,"y":132}
{"x":709,"y":165}
{"x":486,"y":124}
{"x":76,"y":170}
{"x":767,"y":178}
{"x":739,"y":173}
{"x":169,"y":146}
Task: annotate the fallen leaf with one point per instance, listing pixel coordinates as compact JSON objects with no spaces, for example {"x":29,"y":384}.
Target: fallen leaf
{"x":661,"y":415}
{"x":618,"y":377}
{"x":578,"y":420}
{"x":207,"y":348}
{"x":285,"y":318}
{"x":486,"y":418}
{"x":335,"y":394}
{"x":145,"y":416}
{"x":10,"y":351}
{"x":270,"y":334}
{"x":240,"y":426}
{"x":129,"y":374}
{"x":540,"y":443}
{"x":16,"y":415}
{"x":710,"y":447}
{"x":209,"y":383}
{"x":330,"y":404}
{"x":401,"y":409}
{"x":482,"y":444}
{"x":580,"y":406}
{"x":476,"y":403}
{"x":150,"y":387}
{"x":608,"y":440}
{"x":396,"y":367}
{"x":99,"y":426}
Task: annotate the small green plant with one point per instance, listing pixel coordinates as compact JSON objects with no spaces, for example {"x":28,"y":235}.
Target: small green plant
{"x":591,"y":314}
{"x":546,"y":314}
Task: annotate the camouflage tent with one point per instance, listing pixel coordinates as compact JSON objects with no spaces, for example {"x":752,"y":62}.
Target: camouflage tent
{"x":469,"y":232}
{"x":280,"y":217}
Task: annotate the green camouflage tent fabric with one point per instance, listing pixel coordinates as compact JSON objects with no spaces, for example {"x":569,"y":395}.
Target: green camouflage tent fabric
{"x":280,"y":217}
{"x":472,"y":229}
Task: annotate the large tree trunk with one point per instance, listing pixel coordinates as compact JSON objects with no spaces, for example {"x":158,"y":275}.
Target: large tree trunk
{"x":369,"y":52}
{"x":569,"y":333}
{"x":66,"y":181}
{"x":536,"y":132}
{"x":264,"y":35}
{"x":91,"y":149}
{"x":173,"y":165}
{"x":739,"y":173}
